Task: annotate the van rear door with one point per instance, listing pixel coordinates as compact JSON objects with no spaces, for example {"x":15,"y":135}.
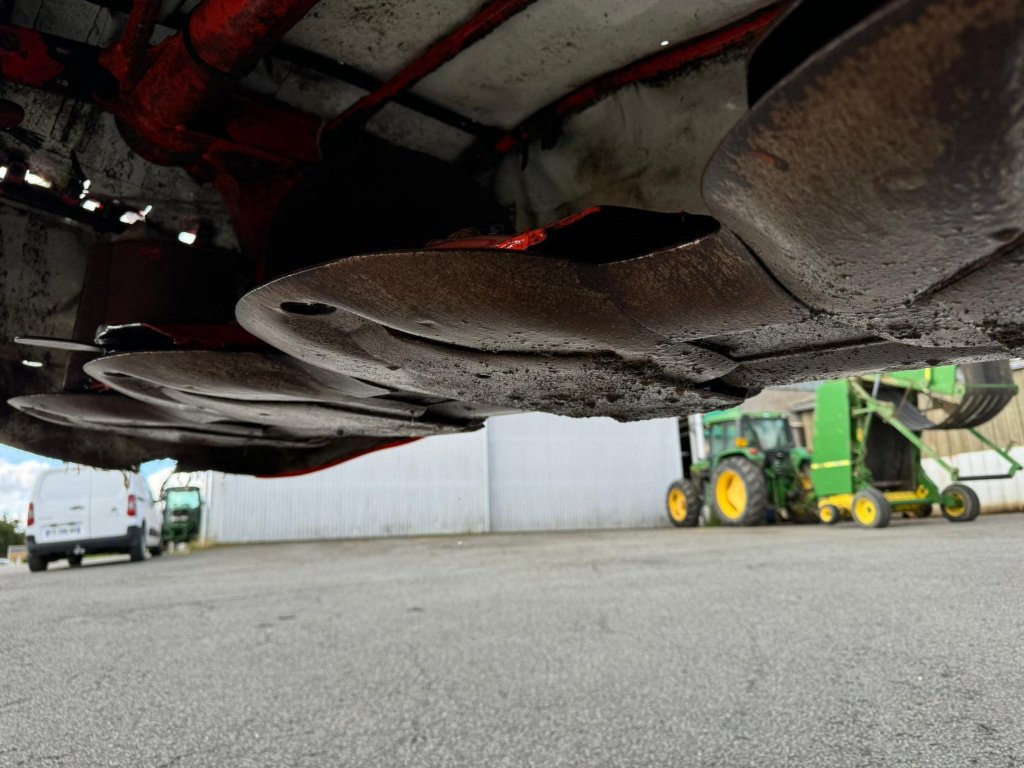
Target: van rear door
{"x":62,"y":506}
{"x":110,"y":504}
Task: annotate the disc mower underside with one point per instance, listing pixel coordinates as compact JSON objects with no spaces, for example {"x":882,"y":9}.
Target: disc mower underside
{"x":267,"y":236}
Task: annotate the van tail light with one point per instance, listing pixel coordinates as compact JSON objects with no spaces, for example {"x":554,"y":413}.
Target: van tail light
{"x":31,"y":514}
{"x":131,"y":505}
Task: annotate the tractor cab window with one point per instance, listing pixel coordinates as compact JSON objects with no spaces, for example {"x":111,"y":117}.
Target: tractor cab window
{"x":722,"y":437}
{"x":183,"y":498}
{"x":768,"y":434}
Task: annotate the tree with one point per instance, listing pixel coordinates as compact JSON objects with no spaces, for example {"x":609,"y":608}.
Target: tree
{"x":9,"y":534}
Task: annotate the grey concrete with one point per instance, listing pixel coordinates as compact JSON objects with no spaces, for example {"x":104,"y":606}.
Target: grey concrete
{"x":781,"y":646}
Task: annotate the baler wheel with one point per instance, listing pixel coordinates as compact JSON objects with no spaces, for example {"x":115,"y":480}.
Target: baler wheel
{"x":969,"y":507}
{"x":871,"y":509}
{"x":829,"y":514}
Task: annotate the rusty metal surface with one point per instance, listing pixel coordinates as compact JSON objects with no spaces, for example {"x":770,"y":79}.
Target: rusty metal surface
{"x":520,"y":302}
{"x":126,"y":416}
{"x":869,"y":218}
{"x":839,"y":361}
{"x":983,"y":307}
{"x":525,"y":330}
{"x":237,"y":375}
{"x":887,"y":163}
{"x":266,"y":391}
{"x":574,"y":384}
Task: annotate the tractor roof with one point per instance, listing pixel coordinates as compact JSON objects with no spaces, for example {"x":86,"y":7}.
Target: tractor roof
{"x":733,"y":414}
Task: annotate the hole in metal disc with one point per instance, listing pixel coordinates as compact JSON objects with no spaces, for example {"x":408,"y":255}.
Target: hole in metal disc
{"x":306,"y":308}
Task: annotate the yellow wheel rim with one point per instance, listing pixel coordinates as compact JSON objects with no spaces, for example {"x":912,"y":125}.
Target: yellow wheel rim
{"x":827,"y":514}
{"x":957,"y":510}
{"x":866,"y":511}
{"x":731,"y":494}
{"x":677,"y":504}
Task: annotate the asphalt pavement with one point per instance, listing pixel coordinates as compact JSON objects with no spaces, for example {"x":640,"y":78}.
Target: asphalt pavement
{"x":778,"y":646}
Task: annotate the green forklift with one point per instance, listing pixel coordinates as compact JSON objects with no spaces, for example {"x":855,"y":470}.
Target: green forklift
{"x":868,"y":445}
{"x":754,"y":473}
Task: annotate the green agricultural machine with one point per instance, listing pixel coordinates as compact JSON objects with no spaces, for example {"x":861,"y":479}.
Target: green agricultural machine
{"x":182,"y":510}
{"x":866,"y":463}
{"x":754,"y":473}
{"x":868,"y":447}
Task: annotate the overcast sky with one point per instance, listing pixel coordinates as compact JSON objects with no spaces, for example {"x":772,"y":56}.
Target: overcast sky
{"x":18,"y":470}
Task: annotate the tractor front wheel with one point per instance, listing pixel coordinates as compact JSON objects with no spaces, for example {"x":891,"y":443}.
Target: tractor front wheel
{"x":967,"y":506}
{"x":871,"y":509}
{"x":683,"y":504}
{"x":739,"y":493}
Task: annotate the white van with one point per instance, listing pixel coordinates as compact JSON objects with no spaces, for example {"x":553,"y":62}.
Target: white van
{"x":76,"y":511}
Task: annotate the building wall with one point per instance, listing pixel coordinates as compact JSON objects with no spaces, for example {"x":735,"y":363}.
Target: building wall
{"x":551,"y":472}
{"x":433,"y":486}
{"x":526,"y":472}
{"x":995,"y":495}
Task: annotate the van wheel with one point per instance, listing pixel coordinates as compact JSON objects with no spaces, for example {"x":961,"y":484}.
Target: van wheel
{"x":74,"y":561}
{"x":37,"y":563}
{"x":138,"y":551}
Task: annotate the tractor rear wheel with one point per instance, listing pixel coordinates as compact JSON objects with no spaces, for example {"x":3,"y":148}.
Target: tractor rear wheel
{"x":739,"y":493}
{"x":871,"y":509}
{"x":968,"y":505}
{"x":683,"y":504}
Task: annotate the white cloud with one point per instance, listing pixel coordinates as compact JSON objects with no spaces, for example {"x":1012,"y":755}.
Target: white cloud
{"x":156,"y":480}
{"x":15,"y":486}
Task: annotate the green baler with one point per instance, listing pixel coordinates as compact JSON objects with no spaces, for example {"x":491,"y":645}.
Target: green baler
{"x":868,"y":447}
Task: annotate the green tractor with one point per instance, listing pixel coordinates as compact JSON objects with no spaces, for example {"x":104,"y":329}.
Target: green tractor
{"x":182,"y":511}
{"x":868,"y":446}
{"x":754,"y":473}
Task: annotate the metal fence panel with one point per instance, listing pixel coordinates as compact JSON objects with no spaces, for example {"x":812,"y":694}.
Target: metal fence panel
{"x":432,"y":486}
{"x":995,"y":495}
{"x":550,"y":472}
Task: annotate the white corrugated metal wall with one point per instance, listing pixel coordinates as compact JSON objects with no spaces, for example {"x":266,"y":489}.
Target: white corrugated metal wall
{"x":527,"y":472}
{"x":995,"y":495}
{"x":431,"y":486}
{"x":551,"y":472}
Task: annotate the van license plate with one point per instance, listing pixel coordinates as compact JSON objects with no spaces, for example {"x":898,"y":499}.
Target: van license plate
{"x":63,"y":530}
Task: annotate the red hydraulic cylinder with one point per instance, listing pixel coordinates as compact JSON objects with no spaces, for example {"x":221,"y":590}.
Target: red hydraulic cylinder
{"x":221,"y":41}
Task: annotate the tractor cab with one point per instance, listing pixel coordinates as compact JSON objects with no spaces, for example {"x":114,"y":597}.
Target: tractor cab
{"x":757,"y":433}
{"x":182,"y":510}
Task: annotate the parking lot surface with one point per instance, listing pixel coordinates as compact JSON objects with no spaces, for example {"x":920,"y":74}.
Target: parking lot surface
{"x":777,"y":646}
